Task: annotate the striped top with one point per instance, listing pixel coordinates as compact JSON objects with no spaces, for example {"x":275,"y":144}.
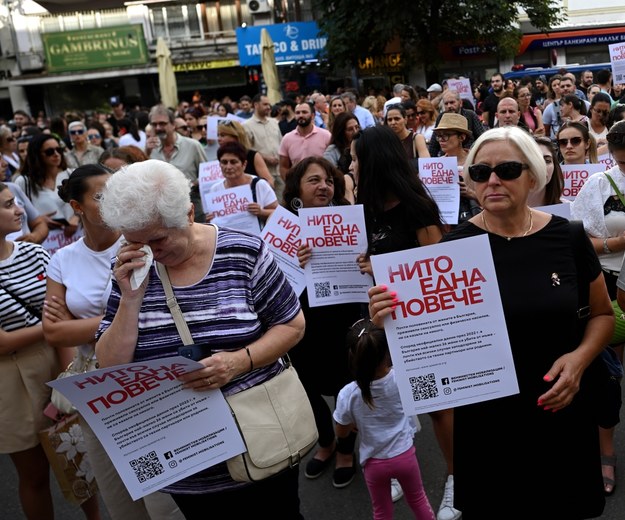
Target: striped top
{"x":23,"y":274}
{"x":243,"y":294}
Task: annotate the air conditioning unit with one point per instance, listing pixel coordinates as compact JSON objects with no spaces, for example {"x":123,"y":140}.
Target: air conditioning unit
{"x":258,"y":6}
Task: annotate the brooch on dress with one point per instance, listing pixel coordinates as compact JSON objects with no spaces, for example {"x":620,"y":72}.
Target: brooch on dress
{"x":555,"y":279}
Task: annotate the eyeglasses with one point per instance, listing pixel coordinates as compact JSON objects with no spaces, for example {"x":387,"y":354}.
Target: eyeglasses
{"x":76,"y":132}
{"x":49,"y":152}
{"x":575,"y":141}
{"x":91,"y":137}
{"x":506,"y":171}
{"x":443,"y":137}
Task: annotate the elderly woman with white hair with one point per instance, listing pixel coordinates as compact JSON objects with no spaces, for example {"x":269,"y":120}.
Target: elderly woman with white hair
{"x":544,"y":267}
{"x":231,"y":293}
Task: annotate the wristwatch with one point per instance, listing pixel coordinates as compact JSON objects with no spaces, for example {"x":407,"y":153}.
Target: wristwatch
{"x":606,"y":249}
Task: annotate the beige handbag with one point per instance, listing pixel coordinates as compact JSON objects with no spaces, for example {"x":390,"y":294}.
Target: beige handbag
{"x":275,"y":418}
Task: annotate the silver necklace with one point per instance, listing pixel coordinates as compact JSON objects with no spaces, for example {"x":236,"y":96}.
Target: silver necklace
{"x":529,"y":228}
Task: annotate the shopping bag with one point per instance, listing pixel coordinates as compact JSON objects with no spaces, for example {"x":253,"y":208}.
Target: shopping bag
{"x":67,"y":453}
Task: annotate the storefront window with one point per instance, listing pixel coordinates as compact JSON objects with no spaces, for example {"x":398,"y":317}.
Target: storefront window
{"x":176,"y":21}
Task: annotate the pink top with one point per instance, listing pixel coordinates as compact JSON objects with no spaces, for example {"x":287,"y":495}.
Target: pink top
{"x":296,"y":146}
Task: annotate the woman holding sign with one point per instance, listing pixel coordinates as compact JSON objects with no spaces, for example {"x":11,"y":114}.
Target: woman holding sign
{"x":235,"y":300}
{"x":543,"y":441}
{"x":232,"y":159}
{"x":314,"y":183}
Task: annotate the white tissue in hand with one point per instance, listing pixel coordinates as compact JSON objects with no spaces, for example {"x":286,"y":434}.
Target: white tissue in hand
{"x":138,"y":275}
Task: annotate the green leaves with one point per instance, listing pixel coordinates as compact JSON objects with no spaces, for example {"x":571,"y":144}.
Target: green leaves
{"x":360,"y":28}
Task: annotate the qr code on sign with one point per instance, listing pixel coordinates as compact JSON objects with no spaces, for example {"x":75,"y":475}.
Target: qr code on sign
{"x":423,"y":387}
{"x":146,"y":467}
{"x":322,"y":290}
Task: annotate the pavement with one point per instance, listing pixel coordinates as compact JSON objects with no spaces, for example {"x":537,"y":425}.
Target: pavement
{"x":320,"y":500}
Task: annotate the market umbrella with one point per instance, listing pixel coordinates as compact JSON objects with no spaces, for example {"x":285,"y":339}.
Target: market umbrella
{"x":166,"y":76}
{"x":270,"y":70}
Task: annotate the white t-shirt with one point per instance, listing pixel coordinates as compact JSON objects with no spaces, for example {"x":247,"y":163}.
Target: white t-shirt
{"x":385,"y":431}
{"x":129,"y":140}
{"x":86,"y":275}
{"x":264,"y":193}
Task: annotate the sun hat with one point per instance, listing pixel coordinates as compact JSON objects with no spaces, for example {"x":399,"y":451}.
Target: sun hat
{"x":435,"y":87}
{"x":455,"y":122}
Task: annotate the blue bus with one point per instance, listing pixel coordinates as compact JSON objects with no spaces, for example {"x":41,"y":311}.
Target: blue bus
{"x":548,"y":72}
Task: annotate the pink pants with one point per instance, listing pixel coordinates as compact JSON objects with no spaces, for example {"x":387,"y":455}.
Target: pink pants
{"x":405,"y":468}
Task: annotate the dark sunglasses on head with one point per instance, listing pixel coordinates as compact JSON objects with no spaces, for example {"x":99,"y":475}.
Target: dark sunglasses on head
{"x":506,"y":171}
{"x":76,"y":132}
{"x":49,"y":152}
{"x":575,"y":141}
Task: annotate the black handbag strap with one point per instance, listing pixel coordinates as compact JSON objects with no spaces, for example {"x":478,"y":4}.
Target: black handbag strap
{"x":32,"y":310}
{"x":577,"y":231}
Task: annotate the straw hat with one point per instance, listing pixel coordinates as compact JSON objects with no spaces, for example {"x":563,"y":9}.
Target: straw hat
{"x":455,"y":122}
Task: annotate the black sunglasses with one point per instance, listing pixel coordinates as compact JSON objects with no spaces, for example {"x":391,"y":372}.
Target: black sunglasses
{"x":49,"y":152}
{"x":575,"y":141}
{"x":506,"y":171}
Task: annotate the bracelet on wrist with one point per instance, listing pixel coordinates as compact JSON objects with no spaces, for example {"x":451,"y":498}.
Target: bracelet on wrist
{"x":606,"y":248}
{"x":250,"y":356}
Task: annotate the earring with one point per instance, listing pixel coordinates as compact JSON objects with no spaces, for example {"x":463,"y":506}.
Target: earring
{"x":296,"y":203}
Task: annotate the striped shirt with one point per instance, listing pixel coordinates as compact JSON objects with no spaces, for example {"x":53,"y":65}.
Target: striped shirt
{"x":243,"y":294}
{"x":22,"y":274}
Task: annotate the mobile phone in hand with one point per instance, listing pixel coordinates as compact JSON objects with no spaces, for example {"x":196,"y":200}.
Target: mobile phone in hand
{"x":196,"y":352}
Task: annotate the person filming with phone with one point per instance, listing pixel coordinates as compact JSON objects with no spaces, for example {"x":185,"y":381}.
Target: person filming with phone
{"x":234,"y":299}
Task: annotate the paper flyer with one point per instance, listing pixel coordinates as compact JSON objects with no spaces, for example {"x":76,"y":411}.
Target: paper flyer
{"x":155,"y":432}
{"x":282,"y":235}
{"x":447,"y":336}
{"x":337,"y":236}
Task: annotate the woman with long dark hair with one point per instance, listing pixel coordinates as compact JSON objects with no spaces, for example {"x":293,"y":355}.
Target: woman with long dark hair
{"x":338,"y":151}
{"x":44,"y":170}
{"x":400,"y":214}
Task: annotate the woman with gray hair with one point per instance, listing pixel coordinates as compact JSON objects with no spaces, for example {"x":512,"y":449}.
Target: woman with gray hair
{"x":544,"y":267}
{"x":251,"y":319}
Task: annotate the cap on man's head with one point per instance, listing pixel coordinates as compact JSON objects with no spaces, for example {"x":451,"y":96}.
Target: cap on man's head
{"x":435,"y":87}
{"x":115,"y":100}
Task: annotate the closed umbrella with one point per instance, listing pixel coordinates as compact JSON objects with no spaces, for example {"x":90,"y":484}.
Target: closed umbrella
{"x":166,"y":76}
{"x":270,"y":70}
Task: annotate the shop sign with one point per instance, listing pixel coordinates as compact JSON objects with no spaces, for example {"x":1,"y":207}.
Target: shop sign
{"x":95,"y":48}
{"x":391,"y":62}
{"x":205,"y":65}
{"x":295,"y":41}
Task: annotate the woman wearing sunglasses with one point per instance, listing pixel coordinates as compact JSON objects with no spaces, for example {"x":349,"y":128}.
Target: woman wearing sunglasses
{"x":576,"y":145}
{"x":426,"y":118}
{"x":536,"y":268}
{"x":43,"y":172}
{"x":599,"y":207}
